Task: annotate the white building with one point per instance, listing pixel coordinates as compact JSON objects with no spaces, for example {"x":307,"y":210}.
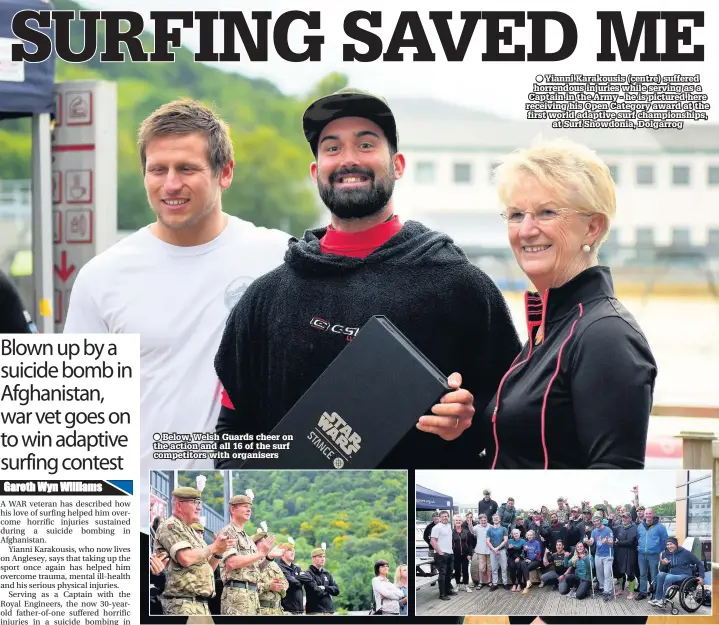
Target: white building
{"x":465,"y":508}
{"x":667,"y":180}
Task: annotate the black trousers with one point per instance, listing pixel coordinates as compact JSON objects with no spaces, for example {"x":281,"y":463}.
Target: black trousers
{"x":444,"y":567}
{"x":528,"y":567}
{"x":461,"y":569}
{"x":515,"y":571}
{"x":583,"y":586}
{"x":551,"y":578}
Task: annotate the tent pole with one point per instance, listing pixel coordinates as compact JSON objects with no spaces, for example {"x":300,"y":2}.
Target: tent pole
{"x":42,"y":234}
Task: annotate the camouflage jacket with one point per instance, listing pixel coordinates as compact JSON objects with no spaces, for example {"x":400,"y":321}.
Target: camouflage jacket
{"x":173,"y":535}
{"x":242,"y":546}
{"x":562,"y":515}
{"x":269,"y":574}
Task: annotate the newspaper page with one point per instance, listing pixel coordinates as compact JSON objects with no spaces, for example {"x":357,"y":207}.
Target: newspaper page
{"x":229,"y":202}
{"x":68,"y":506}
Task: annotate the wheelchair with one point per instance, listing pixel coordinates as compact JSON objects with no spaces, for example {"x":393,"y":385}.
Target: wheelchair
{"x":690,"y":593}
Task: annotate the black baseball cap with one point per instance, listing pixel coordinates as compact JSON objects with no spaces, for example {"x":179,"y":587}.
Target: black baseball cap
{"x":348,"y":102}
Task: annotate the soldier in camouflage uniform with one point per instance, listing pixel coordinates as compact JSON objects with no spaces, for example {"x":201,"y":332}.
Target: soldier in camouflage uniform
{"x":215,"y":604}
{"x":243,"y":563}
{"x":562,"y":511}
{"x":190,"y":571}
{"x":273,"y":585}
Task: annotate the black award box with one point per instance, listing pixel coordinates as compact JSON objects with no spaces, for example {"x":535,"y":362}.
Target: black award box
{"x":360,"y":407}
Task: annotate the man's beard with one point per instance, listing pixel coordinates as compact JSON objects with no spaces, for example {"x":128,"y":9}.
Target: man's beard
{"x":357,"y":202}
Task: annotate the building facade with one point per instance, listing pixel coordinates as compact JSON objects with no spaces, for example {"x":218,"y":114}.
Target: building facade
{"x":667,"y":181}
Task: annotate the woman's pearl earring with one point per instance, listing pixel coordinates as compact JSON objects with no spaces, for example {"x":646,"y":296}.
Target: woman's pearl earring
{"x":586,"y":248}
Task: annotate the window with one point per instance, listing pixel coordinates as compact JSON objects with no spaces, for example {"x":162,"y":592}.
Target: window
{"x":645,"y":237}
{"x":610,"y":245}
{"x":645,"y":174}
{"x":492,"y":166}
{"x":462,"y":173}
{"x":425,"y":172}
{"x":713,"y":175}
{"x":713,"y":239}
{"x":614,"y":173}
{"x":644,"y":246}
{"x":699,"y":508}
{"x":699,"y":482}
{"x":681,"y":237}
{"x":680,"y":175}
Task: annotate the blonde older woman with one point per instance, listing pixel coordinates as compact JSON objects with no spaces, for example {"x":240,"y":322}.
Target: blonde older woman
{"x":580,"y":392}
{"x":463,"y":549}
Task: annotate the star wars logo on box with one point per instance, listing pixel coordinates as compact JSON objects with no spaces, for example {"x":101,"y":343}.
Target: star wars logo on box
{"x":335,"y":439}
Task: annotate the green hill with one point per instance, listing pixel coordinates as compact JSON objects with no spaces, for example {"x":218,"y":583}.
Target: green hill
{"x":361,"y":515}
{"x":270,"y":185}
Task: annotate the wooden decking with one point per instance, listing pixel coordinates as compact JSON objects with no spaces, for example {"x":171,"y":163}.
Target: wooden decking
{"x":539,"y":601}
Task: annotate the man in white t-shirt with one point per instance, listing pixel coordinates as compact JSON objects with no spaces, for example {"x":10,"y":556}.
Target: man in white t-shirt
{"x":441,"y":539}
{"x":175,"y":281}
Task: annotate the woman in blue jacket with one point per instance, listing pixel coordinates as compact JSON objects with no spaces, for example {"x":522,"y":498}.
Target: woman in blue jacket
{"x":532,"y":558}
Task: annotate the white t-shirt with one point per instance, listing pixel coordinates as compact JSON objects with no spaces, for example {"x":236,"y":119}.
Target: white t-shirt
{"x":177,"y":299}
{"x":481,"y":534}
{"x":443,"y":533}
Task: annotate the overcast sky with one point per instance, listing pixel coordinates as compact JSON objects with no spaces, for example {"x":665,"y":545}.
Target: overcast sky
{"x":532,"y":489}
{"x":498,"y":87}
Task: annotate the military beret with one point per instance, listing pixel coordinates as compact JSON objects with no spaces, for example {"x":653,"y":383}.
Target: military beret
{"x":260,"y":533}
{"x":198,"y":527}
{"x":246,"y":498}
{"x":240,"y":499}
{"x":186,"y":492}
{"x":290,"y":544}
{"x":320,"y":551}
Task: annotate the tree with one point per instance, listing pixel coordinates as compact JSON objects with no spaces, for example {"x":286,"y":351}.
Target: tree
{"x":272,"y":187}
{"x":355,"y":583}
{"x":668,"y":508}
{"x":317,"y":506}
{"x":329,"y":84}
